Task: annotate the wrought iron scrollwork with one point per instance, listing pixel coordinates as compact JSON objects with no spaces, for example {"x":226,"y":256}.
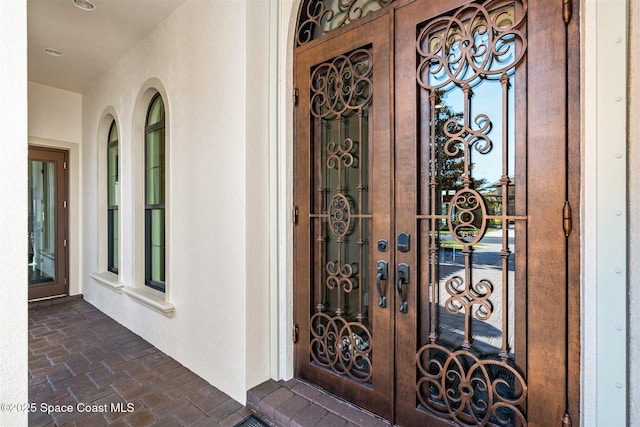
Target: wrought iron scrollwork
{"x":340,"y":96}
{"x":471,"y":391}
{"x":318,"y":17}
{"x":342,"y":84}
{"x":467,"y":217}
{"x":477,"y":42}
{"x":341,"y":276}
{"x":344,"y":347}
{"x":481,"y":42}
{"x":340,"y":215}
{"x":463,"y":298}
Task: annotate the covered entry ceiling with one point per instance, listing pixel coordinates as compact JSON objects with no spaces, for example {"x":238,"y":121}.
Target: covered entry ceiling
{"x":91,"y":42}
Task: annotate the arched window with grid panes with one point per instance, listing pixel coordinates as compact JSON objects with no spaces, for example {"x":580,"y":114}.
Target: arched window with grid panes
{"x":113,"y":200}
{"x":154,"y":150}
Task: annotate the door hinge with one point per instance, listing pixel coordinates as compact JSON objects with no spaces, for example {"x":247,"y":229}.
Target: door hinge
{"x":567,"y":220}
{"x":64,"y":165}
{"x":65,"y":242}
{"x":64,"y":204}
{"x":567,"y":11}
{"x":295,"y":333}
{"x":294,"y":215}
{"x":566,"y":420}
{"x":296,"y":94}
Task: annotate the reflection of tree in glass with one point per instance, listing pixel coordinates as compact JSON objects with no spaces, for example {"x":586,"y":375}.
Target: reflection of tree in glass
{"x":449,"y":165}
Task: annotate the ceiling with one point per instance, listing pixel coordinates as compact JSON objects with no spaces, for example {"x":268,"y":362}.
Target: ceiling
{"x":91,"y":42}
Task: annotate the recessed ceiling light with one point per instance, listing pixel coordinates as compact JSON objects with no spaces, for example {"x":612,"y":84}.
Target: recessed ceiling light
{"x":52,"y":52}
{"x":85,"y":5}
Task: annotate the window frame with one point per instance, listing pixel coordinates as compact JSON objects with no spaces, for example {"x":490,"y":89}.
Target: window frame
{"x":113,"y":239}
{"x":159,"y":286}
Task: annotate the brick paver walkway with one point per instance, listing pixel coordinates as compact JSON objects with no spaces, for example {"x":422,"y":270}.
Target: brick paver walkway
{"x":85,"y":369}
{"x":88,"y":370}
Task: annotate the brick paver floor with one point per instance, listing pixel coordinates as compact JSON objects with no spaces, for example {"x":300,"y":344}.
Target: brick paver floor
{"x":87,"y":370}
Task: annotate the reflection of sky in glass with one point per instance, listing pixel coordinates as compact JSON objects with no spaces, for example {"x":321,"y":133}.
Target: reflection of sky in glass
{"x":481,"y":67}
{"x":452,"y":67}
{"x":487,"y":99}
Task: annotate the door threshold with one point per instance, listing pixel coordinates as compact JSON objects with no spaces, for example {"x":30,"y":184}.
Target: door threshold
{"x":55,"y":299}
{"x":297,"y":403}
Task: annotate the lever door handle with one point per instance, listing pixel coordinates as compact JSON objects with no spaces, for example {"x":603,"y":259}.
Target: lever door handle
{"x":403,"y":280}
{"x":383,"y":274}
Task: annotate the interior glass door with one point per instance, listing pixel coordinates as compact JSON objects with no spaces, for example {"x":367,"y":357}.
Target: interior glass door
{"x":46,"y":223}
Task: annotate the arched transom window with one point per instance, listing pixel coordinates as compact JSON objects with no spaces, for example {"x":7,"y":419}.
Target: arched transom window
{"x":318,"y":17}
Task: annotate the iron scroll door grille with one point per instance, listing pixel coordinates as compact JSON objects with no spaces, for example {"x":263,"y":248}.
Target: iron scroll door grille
{"x":343,"y":192}
{"x":318,"y":17}
{"x":340,"y":328}
{"x":470,"y":216}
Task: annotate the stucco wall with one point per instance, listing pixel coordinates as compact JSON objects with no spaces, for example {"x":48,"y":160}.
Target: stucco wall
{"x":217,"y":275}
{"x":13,"y":226}
{"x":257,"y":203}
{"x":54,"y":114}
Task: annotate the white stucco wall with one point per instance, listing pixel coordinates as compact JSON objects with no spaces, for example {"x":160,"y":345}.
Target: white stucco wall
{"x":218,"y":261}
{"x":54,"y":114}
{"x":55,"y":121}
{"x":257,"y":201}
{"x":13,"y":226}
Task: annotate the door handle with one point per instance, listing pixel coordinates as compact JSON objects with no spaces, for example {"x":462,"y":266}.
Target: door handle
{"x":383,"y":274}
{"x":403,"y":280}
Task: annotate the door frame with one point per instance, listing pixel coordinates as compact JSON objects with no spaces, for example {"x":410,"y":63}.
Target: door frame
{"x":573,"y":162}
{"x":61,"y":161}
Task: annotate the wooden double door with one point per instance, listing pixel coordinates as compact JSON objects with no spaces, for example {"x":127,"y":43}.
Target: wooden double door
{"x":432,"y":260}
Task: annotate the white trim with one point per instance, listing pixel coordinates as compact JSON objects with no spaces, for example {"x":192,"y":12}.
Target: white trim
{"x":150,"y":300}
{"x":633,"y":210}
{"x":274,"y":175}
{"x":611,"y":359}
{"x":286,"y":30}
{"x":604,"y":226}
{"x":109,"y":280}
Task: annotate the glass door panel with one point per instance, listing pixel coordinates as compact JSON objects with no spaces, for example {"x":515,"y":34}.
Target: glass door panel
{"x":42,"y":222}
{"x":47,"y":223}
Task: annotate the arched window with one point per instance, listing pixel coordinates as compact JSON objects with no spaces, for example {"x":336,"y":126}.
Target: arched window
{"x":113,"y":200}
{"x":154,"y":154}
{"x":318,"y":17}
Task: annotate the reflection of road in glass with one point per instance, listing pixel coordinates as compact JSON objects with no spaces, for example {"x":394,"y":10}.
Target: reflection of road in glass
{"x":486,"y":266}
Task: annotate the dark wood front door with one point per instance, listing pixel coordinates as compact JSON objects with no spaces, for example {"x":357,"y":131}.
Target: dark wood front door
{"x":48,"y":223}
{"x":431,"y":256}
